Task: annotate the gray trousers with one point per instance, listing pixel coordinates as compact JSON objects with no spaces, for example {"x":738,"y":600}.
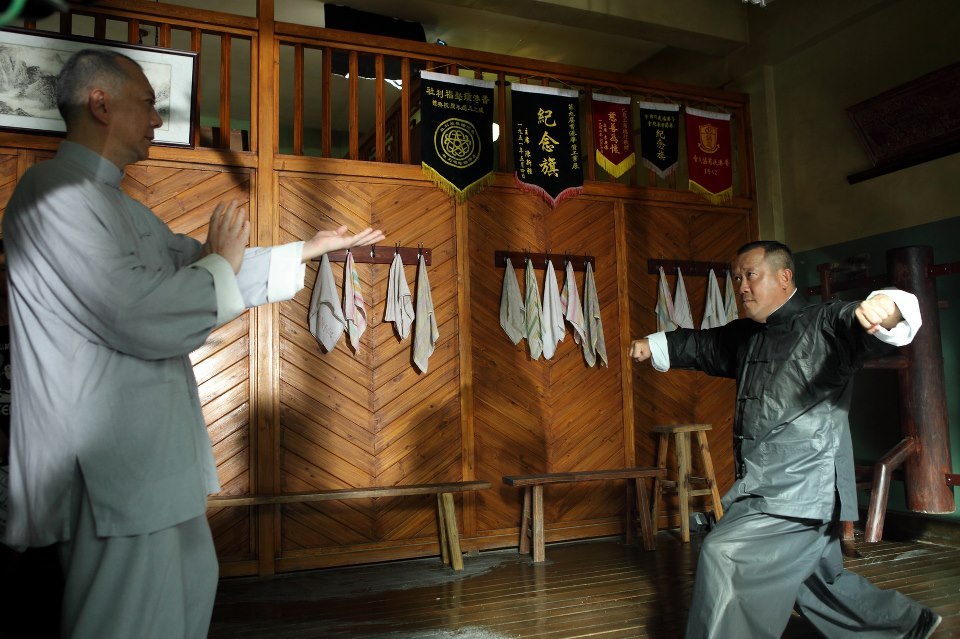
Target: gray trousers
{"x":155,"y":586}
{"x":754,"y":568}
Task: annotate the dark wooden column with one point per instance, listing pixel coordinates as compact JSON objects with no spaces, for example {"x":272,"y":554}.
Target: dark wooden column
{"x":923,"y":399}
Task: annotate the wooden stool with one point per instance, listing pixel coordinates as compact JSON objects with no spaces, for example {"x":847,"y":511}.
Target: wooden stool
{"x":681,"y":434}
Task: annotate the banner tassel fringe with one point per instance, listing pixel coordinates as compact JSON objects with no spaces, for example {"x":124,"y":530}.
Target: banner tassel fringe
{"x":461,"y":195}
{"x":663,"y":175}
{"x":533,"y":188}
{"x":616,"y":170}
{"x":722,"y":197}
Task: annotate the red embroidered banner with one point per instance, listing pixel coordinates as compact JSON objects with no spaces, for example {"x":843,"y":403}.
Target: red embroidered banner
{"x":708,"y":154}
{"x":613,"y":133}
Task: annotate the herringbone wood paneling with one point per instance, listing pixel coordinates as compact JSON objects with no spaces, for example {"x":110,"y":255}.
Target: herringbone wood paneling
{"x":544,"y":415}
{"x":706,"y":234}
{"x":184,"y":198}
{"x":368,"y":418}
{"x":8,"y":180}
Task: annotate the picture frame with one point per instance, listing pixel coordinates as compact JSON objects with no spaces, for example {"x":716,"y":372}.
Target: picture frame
{"x":32,"y":60}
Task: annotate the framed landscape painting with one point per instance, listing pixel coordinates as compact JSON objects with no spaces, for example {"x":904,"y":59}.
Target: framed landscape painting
{"x":31,"y":60}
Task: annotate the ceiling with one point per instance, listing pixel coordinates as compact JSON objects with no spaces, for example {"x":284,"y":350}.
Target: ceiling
{"x":611,"y":35}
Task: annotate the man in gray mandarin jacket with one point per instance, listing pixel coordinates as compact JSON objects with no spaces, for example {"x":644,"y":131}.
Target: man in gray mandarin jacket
{"x":110,"y":458}
{"x":777,"y":545}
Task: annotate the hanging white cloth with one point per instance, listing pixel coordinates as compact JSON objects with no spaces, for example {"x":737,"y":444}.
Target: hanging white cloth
{"x":512,"y":318}
{"x":570,"y":303}
{"x":594,"y":345}
{"x":399,"y":302}
{"x":425,"y":331}
{"x":730,"y":300}
{"x":326,"y":317}
{"x":713,"y":314}
{"x":552,"y":313}
{"x":664,"y":309}
{"x":353,"y":309}
{"x":534,"y":312}
{"x":681,"y":305}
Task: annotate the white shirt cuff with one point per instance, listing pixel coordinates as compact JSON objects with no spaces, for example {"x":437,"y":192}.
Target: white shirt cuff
{"x":659,"y":353}
{"x":271,"y":274}
{"x":904,"y":332}
{"x":287,"y":272}
{"x":229,"y":299}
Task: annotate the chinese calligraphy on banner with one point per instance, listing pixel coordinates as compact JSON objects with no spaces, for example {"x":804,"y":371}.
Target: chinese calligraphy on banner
{"x":546,"y":149}
{"x":613,"y":133}
{"x":708,"y":154}
{"x":659,"y":137}
{"x":457,"y":132}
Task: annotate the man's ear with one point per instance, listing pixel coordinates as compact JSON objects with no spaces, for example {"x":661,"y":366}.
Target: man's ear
{"x":97,"y":104}
{"x":786,"y":277}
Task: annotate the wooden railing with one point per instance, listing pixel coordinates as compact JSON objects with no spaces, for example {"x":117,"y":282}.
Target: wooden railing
{"x":373,"y":123}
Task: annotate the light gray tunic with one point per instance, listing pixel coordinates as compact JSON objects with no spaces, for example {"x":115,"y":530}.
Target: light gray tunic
{"x":106,"y":303}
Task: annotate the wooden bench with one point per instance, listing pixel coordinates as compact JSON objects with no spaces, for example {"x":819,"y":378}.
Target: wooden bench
{"x":531,"y":521}
{"x":446,"y":511}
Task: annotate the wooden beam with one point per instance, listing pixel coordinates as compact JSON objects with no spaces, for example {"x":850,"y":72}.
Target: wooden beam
{"x":380,"y":116}
{"x":354,"y":115}
{"x":265,"y":369}
{"x":298,"y":99}
{"x":326,"y":109}
{"x":225,"y":88}
{"x":405,"y":95}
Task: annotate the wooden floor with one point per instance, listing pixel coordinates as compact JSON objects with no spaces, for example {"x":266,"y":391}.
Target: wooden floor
{"x":598,"y":589}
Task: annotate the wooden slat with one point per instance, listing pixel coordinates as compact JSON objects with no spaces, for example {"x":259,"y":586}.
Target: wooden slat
{"x":225,"y":83}
{"x":349,"y":493}
{"x":133,"y":32}
{"x":354,"y":110}
{"x":380,"y":110}
{"x":326,"y":109}
{"x":196,"y":45}
{"x":163,"y":35}
{"x":298,"y":105}
{"x":265,"y":413}
{"x":584,"y":475}
{"x":405,"y":109}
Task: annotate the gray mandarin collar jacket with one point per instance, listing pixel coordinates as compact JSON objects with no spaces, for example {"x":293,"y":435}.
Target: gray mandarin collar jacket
{"x":794,"y":381}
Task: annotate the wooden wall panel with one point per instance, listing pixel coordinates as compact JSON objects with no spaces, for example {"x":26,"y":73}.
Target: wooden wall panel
{"x":8,"y":178}
{"x":184,"y":197}
{"x":367,"y":418}
{"x":688,"y":233}
{"x":543,"y":415}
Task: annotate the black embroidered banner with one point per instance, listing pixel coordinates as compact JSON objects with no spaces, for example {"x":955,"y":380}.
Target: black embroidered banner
{"x":659,"y":137}
{"x":546,"y":141}
{"x":457,"y":132}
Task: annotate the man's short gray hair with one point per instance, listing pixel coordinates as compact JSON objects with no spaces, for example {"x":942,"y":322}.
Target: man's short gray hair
{"x":80,"y":75}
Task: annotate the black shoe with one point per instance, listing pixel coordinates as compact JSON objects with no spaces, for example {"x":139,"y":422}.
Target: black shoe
{"x":926,"y":624}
